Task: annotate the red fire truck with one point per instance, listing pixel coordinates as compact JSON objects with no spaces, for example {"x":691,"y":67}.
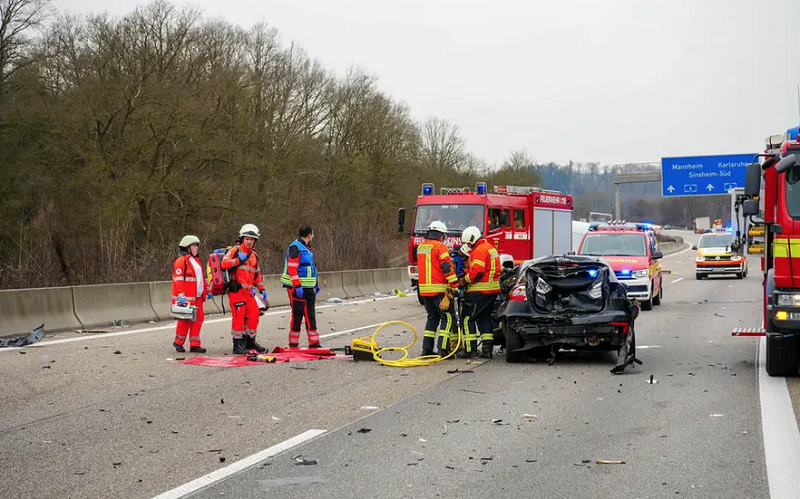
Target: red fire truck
{"x":772,"y":201}
{"x":521,"y":222}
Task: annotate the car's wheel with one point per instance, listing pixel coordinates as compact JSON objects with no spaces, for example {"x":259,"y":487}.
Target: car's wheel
{"x":648,"y":305}
{"x":657,"y":299}
{"x":513,"y":343}
{"x":699,"y":277}
{"x":627,"y":353}
{"x":740,"y":275}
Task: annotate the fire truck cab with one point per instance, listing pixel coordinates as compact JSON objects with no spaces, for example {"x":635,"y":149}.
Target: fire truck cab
{"x":521,"y":222}
{"x":771,"y":200}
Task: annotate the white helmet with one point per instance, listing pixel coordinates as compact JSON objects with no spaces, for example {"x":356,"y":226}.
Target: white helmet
{"x":188,"y":241}
{"x":249,"y":230}
{"x":438,"y":226}
{"x":470,"y":235}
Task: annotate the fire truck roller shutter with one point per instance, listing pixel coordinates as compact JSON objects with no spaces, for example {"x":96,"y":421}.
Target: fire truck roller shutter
{"x":542,"y":232}
{"x":562,"y":242}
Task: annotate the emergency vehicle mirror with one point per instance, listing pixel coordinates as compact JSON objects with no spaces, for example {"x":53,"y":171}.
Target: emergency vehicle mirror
{"x":786,"y":163}
{"x":657,"y":255}
{"x":752,"y":180}
{"x":777,"y":228}
{"x":750,"y":207}
{"x":694,"y":246}
{"x":401,"y":219}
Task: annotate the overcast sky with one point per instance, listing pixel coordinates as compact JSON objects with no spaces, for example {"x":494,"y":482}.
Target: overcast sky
{"x":613,"y":81}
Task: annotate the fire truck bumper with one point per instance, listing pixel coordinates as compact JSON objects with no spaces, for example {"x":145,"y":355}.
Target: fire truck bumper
{"x":785,"y":310}
{"x":412,"y":273}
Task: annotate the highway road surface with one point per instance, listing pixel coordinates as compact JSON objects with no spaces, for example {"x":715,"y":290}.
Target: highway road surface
{"x":114,"y":416}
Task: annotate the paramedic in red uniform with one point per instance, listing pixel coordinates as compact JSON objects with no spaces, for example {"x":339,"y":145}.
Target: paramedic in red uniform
{"x":482,"y":281}
{"x":436,"y":274}
{"x":247,"y":276}
{"x":301,"y":280}
{"x":189,"y":287}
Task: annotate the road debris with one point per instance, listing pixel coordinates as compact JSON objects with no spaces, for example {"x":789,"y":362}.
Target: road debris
{"x":472,"y":391}
{"x":530,"y":416}
{"x":364,"y":430}
{"x":457,"y":371}
{"x":34,"y":336}
{"x":369,"y":407}
{"x":305,"y":462}
{"x":602,"y":461}
{"x":652,"y":380}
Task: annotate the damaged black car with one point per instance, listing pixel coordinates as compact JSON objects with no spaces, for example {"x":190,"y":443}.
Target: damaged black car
{"x":568,"y":302}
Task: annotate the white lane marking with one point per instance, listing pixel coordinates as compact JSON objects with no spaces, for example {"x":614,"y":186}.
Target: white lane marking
{"x":337,"y":333}
{"x":779,"y":427}
{"x":688,"y":247}
{"x":678,"y":261}
{"x":677,"y":280}
{"x":215,"y":476}
{"x":648,"y":346}
{"x":281,"y":310}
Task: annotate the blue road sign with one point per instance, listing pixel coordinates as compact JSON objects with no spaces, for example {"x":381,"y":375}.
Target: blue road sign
{"x":703,"y":175}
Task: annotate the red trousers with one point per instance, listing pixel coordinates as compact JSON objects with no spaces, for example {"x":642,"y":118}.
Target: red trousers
{"x":191,"y":329}
{"x":244,"y":310}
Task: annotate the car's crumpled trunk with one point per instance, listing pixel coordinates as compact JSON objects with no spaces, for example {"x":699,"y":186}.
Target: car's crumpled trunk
{"x":567,"y":286}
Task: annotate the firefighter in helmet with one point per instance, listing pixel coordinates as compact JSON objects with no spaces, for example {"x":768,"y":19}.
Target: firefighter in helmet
{"x":482,"y":281}
{"x":189,"y":288}
{"x":436,"y":275}
{"x":242,"y":259}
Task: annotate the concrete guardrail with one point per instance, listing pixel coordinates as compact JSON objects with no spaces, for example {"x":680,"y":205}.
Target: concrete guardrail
{"x":101,"y":305}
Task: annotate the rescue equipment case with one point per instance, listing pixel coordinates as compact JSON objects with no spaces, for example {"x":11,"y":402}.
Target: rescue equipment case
{"x":186,"y":313}
{"x":218,"y":277}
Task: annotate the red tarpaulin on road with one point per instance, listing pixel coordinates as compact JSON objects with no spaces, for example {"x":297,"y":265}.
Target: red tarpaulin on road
{"x":279,"y":353}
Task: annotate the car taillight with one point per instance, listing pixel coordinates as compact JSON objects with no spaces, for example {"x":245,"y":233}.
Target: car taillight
{"x":518,"y":294}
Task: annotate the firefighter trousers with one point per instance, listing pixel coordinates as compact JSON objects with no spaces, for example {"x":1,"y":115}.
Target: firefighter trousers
{"x":443,"y":319}
{"x":244,"y":310}
{"x":303,"y":308}
{"x":189,"y":328}
{"x":478,"y":320}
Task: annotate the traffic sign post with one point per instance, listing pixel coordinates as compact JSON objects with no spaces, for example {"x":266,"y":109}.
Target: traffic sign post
{"x":703,"y":175}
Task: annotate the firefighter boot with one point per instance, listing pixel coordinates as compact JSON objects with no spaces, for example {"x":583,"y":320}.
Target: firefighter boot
{"x":197,"y":350}
{"x":470,"y":350}
{"x":240,"y":346}
{"x":250,"y":343}
{"x":486,"y":349}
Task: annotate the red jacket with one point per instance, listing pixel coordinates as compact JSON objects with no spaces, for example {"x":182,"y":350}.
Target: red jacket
{"x":435,"y":267}
{"x":248,"y":274}
{"x":184,"y":280}
{"x":484,"y":271}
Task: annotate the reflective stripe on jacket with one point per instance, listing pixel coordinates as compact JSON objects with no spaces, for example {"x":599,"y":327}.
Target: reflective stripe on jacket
{"x":299,"y":268}
{"x":484,"y":269}
{"x":431,"y":254}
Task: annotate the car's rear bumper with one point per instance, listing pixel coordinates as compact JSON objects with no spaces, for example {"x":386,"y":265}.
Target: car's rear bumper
{"x":600,"y":331}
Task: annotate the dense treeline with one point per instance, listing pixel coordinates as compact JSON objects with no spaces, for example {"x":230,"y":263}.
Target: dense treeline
{"x":120,"y":135}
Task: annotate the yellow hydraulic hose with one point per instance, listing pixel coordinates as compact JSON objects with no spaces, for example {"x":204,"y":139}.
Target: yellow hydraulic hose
{"x":405,"y":361}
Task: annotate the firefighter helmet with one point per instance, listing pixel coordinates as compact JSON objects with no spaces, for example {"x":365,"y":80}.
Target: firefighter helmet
{"x":470,"y":235}
{"x":188,"y":240}
{"x":438,"y":226}
{"x":249,"y":230}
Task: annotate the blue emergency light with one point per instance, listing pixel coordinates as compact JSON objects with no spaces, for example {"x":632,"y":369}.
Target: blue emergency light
{"x":626,"y":272}
{"x":427,"y":189}
{"x":593,"y":272}
{"x":481,"y":188}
